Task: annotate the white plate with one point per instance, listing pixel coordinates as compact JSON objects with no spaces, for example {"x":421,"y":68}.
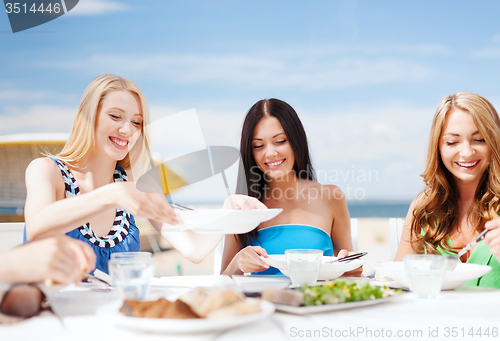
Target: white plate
{"x":327,"y":270}
{"x":452,"y":279}
{"x":331,"y":307}
{"x":185,"y":325}
{"x":220,"y":221}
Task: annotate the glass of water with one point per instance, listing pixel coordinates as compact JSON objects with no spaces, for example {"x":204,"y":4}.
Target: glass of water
{"x":303,"y":265}
{"x":425,"y":274}
{"x":131,"y":273}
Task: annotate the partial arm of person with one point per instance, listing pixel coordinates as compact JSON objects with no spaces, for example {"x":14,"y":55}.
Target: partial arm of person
{"x":237,"y":260}
{"x":47,"y":216}
{"x":61,"y":259}
{"x":341,"y":227}
{"x":193,"y":246}
{"x":492,"y":238}
{"x":405,"y":247}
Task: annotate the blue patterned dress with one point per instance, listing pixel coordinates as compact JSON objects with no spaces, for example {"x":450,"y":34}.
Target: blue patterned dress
{"x":124,"y":234}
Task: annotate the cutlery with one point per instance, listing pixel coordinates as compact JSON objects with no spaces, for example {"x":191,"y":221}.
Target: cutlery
{"x":182,"y":207}
{"x":348,"y":258}
{"x":90,"y":278}
{"x":452,"y":261}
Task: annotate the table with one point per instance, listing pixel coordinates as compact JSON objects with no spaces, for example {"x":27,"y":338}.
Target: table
{"x":454,"y":315}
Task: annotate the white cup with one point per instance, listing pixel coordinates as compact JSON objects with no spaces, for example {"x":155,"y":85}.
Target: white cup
{"x":303,"y":265}
{"x":425,"y":274}
{"x":131,"y":273}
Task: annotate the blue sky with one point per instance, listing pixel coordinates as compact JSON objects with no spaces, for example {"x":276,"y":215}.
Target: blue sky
{"x":364,"y":76}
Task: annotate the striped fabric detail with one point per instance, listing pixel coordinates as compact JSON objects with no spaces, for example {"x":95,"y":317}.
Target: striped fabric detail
{"x":122,"y":219}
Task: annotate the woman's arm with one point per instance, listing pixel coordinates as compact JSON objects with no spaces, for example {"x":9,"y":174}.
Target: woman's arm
{"x":61,"y":259}
{"x":196,"y":246}
{"x":47,"y":215}
{"x":237,"y":260}
{"x":405,"y":247}
{"x":341,"y":221}
{"x":341,"y":228}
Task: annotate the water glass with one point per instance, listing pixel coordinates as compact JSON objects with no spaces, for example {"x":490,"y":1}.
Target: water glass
{"x":425,"y":274}
{"x":131,"y":273}
{"x":303,"y":265}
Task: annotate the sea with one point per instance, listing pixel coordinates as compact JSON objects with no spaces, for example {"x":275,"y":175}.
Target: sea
{"x":378,"y":209}
{"x":357,"y":209}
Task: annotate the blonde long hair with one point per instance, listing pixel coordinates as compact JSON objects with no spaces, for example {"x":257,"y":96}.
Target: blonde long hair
{"x":436,"y":213}
{"x":82,"y":136}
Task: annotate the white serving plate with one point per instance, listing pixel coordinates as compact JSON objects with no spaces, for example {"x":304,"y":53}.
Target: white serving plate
{"x":222,"y":221}
{"x":452,"y":279}
{"x":312,"y":309}
{"x":182,"y":326}
{"x":326,"y":272}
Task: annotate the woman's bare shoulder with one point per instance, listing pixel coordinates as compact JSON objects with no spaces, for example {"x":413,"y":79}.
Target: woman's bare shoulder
{"x":42,"y":165}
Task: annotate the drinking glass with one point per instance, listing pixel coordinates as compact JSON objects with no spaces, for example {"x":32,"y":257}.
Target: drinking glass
{"x":131,"y":273}
{"x":425,"y":274}
{"x":303,"y":265}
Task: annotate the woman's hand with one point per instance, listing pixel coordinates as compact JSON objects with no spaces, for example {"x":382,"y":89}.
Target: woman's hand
{"x":492,"y":238}
{"x":242,"y":202}
{"x":148,"y":205}
{"x":61,"y":259}
{"x":248,"y":259}
{"x":353,"y":273}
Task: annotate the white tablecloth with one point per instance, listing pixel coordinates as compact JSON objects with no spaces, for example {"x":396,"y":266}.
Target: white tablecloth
{"x":454,"y":316}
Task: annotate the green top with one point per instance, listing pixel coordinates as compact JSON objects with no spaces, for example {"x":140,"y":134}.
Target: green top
{"x":480,"y":255}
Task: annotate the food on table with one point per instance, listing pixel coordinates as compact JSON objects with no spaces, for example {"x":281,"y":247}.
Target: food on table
{"x":339,"y":291}
{"x":194,"y":304}
{"x":203,"y":303}
{"x":282,"y":296}
{"x":161,"y":308}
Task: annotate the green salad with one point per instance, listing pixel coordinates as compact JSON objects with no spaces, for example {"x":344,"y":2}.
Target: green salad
{"x":341,"y":291}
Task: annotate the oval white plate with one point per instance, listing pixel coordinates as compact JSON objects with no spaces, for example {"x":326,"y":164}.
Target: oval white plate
{"x":185,"y":325}
{"x":327,"y":270}
{"x":221,"y":221}
{"x":312,"y":309}
{"x":452,"y":279}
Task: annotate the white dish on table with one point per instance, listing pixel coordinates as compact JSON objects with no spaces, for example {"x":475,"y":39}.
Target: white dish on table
{"x":222,"y":221}
{"x":326,"y":272}
{"x":452,"y":279}
{"x":313,"y":309}
{"x":199,"y":325}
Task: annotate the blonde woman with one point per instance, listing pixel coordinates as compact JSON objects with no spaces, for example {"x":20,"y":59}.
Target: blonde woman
{"x":462,"y":193}
{"x":87,"y":191}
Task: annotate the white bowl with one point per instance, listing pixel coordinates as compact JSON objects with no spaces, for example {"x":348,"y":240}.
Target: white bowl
{"x":452,"y":279}
{"x":220,"y":221}
{"x":327,"y":270}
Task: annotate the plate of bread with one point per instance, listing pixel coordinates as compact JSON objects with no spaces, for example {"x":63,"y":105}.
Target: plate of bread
{"x":193,"y":312}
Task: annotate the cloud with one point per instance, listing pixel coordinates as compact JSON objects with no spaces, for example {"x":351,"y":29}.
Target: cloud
{"x":37,"y":118}
{"x":489,"y":52}
{"x":368,"y":133}
{"x":97,"y":7}
{"x":327,"y":72}
{"x":15,"y":95}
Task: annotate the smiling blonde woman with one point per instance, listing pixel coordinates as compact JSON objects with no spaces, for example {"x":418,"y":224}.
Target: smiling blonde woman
{"x":88,"y":192}
{"x":462,"y":192}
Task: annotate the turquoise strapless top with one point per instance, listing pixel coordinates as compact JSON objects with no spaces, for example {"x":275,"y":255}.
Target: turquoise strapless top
{"x":276,"y":239}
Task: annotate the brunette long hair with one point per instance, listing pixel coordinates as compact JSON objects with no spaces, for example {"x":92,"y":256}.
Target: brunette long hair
{"x":251,"y":179}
